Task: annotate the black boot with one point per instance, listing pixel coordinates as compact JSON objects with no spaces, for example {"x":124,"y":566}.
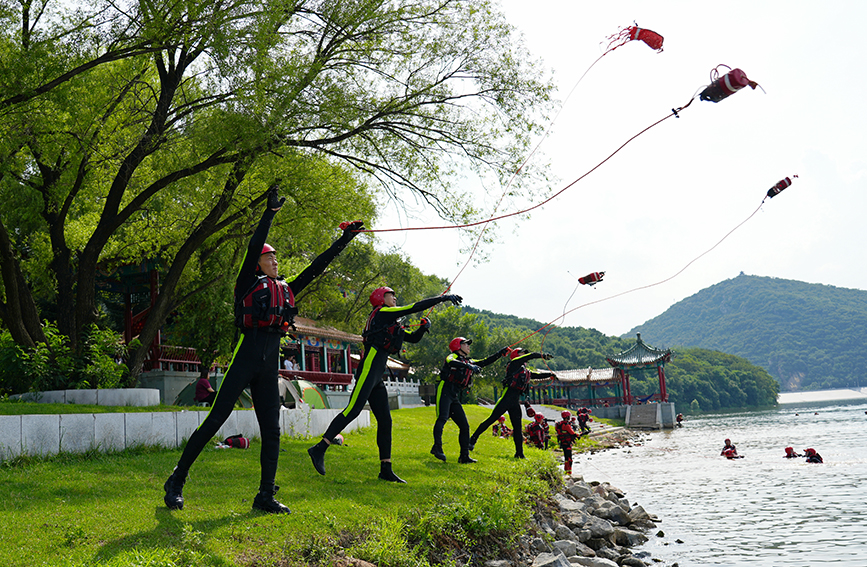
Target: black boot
{"x":174,"y":487}
{"x":317,"y":455}
{"x":466,"y":459}
{"x":437,"y":451}
{"x":520,"y":456}
{"x":472,"y":444}
{"x":385,"y":473}
{"x":265,"y":502}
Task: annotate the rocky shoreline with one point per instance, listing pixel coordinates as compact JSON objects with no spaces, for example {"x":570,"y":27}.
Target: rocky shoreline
{"x":591,"y":524}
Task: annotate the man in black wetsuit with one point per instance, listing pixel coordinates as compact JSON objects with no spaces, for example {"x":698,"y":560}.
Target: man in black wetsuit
{"x":456,"y":377}
{"x":264,"y":311}
{"x":517,"y":382}
{"x":383,"y":335}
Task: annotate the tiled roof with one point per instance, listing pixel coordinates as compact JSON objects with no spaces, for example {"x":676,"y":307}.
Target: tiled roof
{"x":640,"y":354}
{"x":309,"y":327}
{"x":587,"y":375}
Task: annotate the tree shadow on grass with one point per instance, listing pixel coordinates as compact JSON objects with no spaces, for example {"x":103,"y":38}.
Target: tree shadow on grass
{"x":173,"y":533}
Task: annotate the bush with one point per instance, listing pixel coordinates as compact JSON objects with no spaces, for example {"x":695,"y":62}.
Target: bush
{"x":52,"y":365}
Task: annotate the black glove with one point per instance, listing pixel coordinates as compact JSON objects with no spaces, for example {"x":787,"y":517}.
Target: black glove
{"x":274,"y":200}
{"x":475,"y":369}
{"x":455,"y":299}
{"x":350,"y":229}
{"x":425,"y":323}
{"x":547,"y":356}
{"x":503,"y":351}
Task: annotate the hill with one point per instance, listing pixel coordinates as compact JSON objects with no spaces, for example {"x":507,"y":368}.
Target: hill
{"x":807,"y":336}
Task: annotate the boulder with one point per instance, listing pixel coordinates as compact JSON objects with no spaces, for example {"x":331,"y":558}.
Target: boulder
{"x":562,"y":532}
{"x":551,"y":560}
{"x":631,"y":561}
{"x":567,"y":504}
{"x":599,"y":527}
{"x":566,"y":546}
{"x":628,"y":538}
{"x":613,"y":513}
{"x":592,"y":562}
{"x":580,"y":491}
{"x":539,"y":545}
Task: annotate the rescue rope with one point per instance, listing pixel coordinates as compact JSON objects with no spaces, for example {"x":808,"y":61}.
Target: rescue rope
{"x":691,"y":262}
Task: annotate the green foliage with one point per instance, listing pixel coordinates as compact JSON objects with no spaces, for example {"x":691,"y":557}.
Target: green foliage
{"x":807,"y":336}
{"x":710,"y":379}
{"x":52,"y":365}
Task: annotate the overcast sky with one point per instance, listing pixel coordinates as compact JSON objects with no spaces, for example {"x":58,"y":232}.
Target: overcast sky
{"x":678,"y":189}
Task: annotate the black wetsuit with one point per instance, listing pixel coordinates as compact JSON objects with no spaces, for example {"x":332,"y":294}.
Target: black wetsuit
{"x":510,"y":401}
{"x":455,"y":378}
{"x":256,"y":361}
{"x":383,"y":336}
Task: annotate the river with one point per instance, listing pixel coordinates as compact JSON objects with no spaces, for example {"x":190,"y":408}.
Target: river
{"x":761,"y":510}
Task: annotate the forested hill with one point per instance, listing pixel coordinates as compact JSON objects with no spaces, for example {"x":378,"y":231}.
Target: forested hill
{"x":808,"y":336}
{"x":698,"y":379}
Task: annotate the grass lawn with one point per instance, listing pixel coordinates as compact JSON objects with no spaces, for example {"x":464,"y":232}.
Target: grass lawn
{"x":77,"y":510}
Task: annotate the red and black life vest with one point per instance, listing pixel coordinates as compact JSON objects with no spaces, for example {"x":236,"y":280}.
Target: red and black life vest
{"x":518,"y":378}
{"x":268,"y":303}
{"x":388,"y":338}
{"x":460,"y":375}
{"x":565,"y":434}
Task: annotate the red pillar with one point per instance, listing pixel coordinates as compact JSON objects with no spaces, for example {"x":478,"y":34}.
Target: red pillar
{"x":663,"y":394}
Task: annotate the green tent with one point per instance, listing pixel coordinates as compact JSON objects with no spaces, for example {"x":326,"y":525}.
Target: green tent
{"x":186,"y":397}
{"x":307,"y":392}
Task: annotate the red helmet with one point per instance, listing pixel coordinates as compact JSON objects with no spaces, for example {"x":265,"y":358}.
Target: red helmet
{"x":566,"y":414}
{"x":456,"y":343}
{"x":377,"y":297}
{"x":267,"y":248}
{"x":501,"y":419}
{"x":516,"y":352}
{"x":810,"y":451}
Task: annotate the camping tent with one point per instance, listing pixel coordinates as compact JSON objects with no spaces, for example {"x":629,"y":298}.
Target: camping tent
{"x":186,"y":397}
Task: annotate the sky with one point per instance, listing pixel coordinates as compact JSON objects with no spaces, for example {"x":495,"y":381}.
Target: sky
{"x":653,"y":216}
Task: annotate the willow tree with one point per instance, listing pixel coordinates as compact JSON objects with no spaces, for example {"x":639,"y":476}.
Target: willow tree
{"x":152,"y":129}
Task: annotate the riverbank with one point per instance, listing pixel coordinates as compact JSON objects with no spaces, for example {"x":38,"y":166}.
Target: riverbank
{"x":106,"y":509}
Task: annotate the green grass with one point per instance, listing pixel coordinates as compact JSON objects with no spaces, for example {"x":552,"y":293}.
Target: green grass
{"x":107,"y":510}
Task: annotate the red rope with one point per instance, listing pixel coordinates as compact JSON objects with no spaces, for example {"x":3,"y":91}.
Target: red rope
{"x":691,"y":262}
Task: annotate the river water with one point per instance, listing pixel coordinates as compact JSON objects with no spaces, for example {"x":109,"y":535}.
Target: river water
{"x":761,"y":510}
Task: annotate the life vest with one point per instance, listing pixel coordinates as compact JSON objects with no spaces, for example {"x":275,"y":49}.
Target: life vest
{"x":565,"y":434}
{"x":460,"y":375}
{"x":388,"y":338}
{"x":518,"y":379}
{"x":268,"y":303}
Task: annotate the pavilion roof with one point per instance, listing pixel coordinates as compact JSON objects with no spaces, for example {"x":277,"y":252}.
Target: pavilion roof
{"x":640,"y":354}
{"x":309,"y":327}
{"x":586,"y":375}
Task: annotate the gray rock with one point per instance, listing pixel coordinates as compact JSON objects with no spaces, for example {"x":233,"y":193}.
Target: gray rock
{"x":551,"y":560}
{"x":592,"y":562}
{"x":583,"y":535}
{"x":563,"y":532}
{"x":638,"y":513}
{"x":597,"y":543}
{"x":613,"y":513}
{"x":642,"y":525}
{"x":599,"y":527}
{"x":631,"y":561}
{"x":498,"y":563}
{"x":608,"y":553}
{"x":580,"y":491}
{"x":566,"y":546}
{"x":575,"y":520}
{"x":567,"y":504}
{"x":540,"y":545}
{"x":628,"y":538}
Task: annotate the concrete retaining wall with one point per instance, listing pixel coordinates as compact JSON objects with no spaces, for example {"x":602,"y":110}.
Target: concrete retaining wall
{"x":138,"y":397}
{"x":651,"y":416}
{"x":44,"y":435}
